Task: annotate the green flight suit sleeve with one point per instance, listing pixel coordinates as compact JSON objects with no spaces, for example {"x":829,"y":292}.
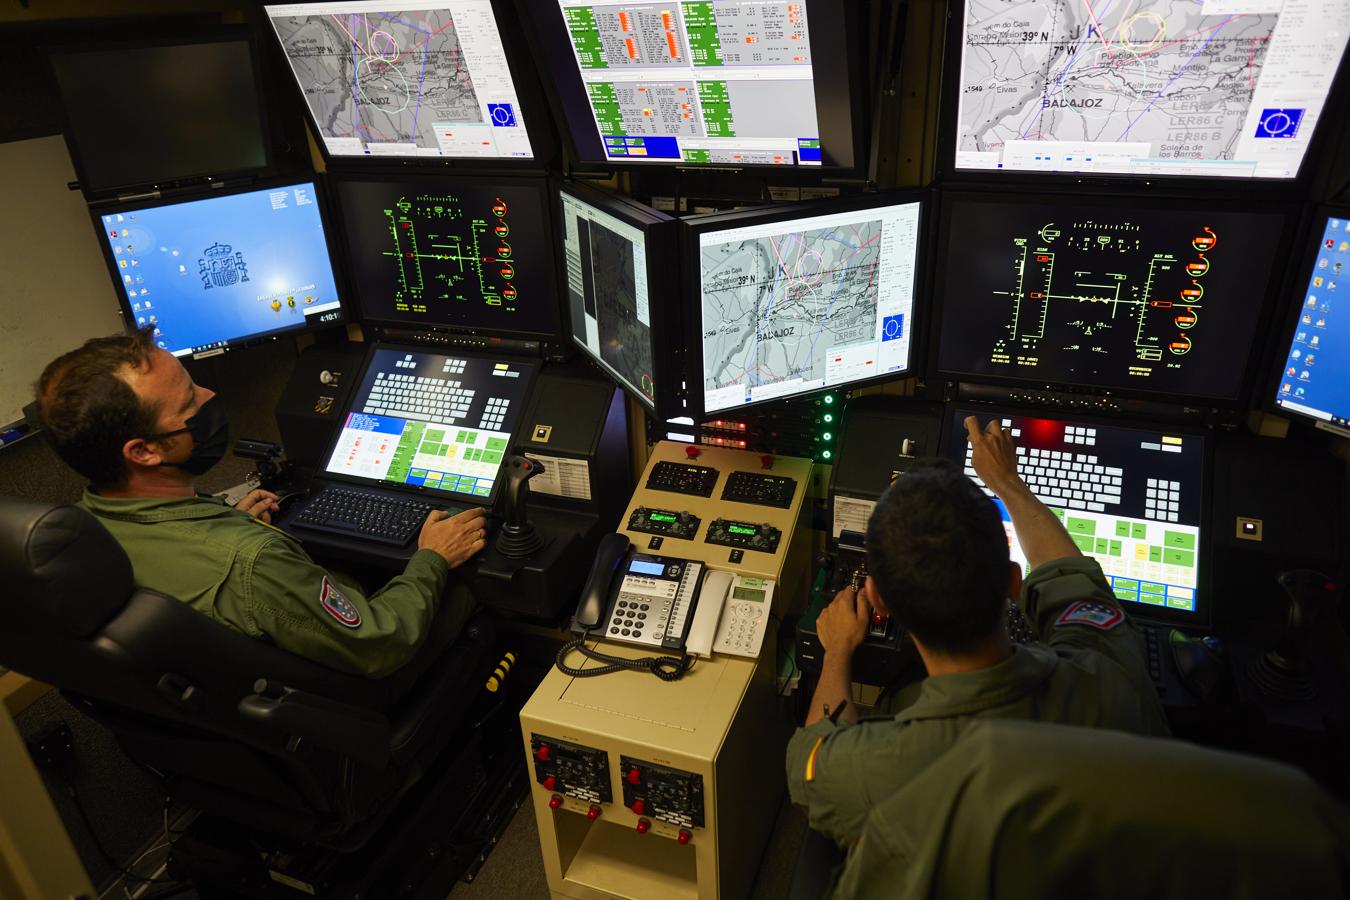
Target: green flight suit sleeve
{"x":1069,"y":604}
{"x":309,"y":611}
{"x":826,"y":772}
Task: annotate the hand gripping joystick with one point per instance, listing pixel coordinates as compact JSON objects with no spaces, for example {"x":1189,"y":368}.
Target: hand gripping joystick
{"x":517,"y":538}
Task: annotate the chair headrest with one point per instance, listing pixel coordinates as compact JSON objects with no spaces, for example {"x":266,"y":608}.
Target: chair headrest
{"x":61,"y":569}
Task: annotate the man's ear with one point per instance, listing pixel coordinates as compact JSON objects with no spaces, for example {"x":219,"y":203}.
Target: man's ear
{"x":874,"y":596}
{"x":142,"y":452}
{"x":1014,"y":581}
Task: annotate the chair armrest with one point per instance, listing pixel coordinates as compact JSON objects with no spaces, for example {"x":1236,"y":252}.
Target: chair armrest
{"x":361,"y":734}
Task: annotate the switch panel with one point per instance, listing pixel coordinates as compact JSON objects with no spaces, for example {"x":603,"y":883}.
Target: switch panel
{"x":670,"y":795}
{"x":746,"y":535}
{"x":665,"y":522}
{"x":571,"y":769}
{"x":681,"y":478}
{"x":760,"y":489}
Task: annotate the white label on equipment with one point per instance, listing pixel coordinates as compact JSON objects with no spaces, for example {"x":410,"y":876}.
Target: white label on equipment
{"x":851,"y":514}
{"x":570,"y":478}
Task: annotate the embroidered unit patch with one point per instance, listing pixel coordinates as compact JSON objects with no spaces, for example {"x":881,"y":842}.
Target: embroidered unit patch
{"x":1102,"y":616}
{"x":338,"y":606}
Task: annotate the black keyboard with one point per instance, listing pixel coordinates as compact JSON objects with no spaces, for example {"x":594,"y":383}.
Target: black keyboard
{"x":369,"y":516}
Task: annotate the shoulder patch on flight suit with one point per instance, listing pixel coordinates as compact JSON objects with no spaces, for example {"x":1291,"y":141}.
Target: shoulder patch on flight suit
{"x":338,"y":606}
{"x":1102,"y":616}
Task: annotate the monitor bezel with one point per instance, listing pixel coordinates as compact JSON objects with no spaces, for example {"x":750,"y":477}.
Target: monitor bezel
{"x":533,"y":106}
{"x":1026,"y":196}
{"x":98,"y":211}
{"x":554,"y":66}
{"x":322,"y":473}
{"x":217,"y":35}
{"x":1320,"y":147}
{"x":1203,"y":616}
{"x":694,"y":227}
{"x":660,"y":233}
{"x":1290,"y":306}
{"x":544,"y":187}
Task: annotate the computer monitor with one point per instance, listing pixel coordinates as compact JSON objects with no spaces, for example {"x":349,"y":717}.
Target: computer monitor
{"x":1314,"y":381}
{"x":1195,"y":90}
{"x":225,"y":269}
{"x":797,"y":298}
{"x":162,"y":111}
{"x":1125,"y":294}
{"x":620,"y":286}
{"x":713,"y":82}
{"x":1132,"y":497}
{"x":405,"y":79}
{"x":433,"y":423}
{"x":452,"y":252}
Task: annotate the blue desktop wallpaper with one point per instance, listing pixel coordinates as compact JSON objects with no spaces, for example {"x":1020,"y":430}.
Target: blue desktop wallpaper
{"x":219,"y":270}
{"x":1315,"y":380}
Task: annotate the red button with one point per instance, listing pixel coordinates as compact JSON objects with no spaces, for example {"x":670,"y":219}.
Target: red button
{"x":643,"y":826}
{"x":766,"y":461}
{"x":878,"y":618}
{"x":691,"y":451}
{"x":554,"y":802}
{"x":683,"y":837}
{"x":593,"y":813}
{"x":550,"y":783}
{"x":634,"y":776}
{"x":542,"y":753}
{"x":639,"y":807}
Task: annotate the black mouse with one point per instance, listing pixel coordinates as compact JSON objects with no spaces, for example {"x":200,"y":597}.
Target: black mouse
{"x":1198,"y":665}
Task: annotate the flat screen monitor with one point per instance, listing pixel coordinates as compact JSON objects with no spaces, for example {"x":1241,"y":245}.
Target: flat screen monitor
{"x":709,"y":82}
{"x":1133,"y":498}
{"x":618,"y":286}
{"x":405,"y":79}
{"x":224,"y":269}
{"x":161,"y":112}
{"x":436,"y":423}
{"x":800,"y":298}
{"x":1213,"y":89}
{"x":452,"y":252}
{"x":1124,"y":294}
{"x":1315,"y":378}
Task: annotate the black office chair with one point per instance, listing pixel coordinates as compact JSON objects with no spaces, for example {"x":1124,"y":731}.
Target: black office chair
{"x":233,"y":725}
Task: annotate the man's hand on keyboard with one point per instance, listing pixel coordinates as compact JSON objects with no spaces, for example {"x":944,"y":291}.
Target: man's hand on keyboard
{"x":259,"y":504}
{"x":455,"y":538}
{"x":994,"y":456}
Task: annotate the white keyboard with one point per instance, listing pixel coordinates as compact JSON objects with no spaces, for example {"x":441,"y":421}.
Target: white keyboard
{"x":1062,"y":478}
{"x":441,"y":400}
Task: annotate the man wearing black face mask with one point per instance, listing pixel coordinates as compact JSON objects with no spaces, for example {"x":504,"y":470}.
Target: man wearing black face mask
{"x":127,"y":416}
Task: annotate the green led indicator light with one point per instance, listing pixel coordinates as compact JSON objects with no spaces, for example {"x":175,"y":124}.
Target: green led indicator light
{"x":829,"y":398}
{"x":827,"y":435}
{"x":826,"y":455}
{"x":829,"y":418}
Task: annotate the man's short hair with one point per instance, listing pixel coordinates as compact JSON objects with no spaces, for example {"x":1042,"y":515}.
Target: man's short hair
{"x":938,"y":553}
{"x":88,"y":411}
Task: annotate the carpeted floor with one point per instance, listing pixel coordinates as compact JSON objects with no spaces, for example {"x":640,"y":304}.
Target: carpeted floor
{"x":515,"y":869}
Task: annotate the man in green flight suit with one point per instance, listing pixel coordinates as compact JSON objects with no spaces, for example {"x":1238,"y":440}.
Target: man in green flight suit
{"x":939,"y":563}
{"x":126,"y":415}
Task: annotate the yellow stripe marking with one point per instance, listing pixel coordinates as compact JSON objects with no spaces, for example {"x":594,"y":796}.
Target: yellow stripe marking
{"x":811,"y":760}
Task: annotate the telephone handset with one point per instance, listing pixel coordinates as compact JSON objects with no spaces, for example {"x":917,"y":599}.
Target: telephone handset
{"x":638,"y":598}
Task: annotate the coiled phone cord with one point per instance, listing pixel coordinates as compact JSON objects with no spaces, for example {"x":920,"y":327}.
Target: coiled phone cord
{"x":667,"y":668}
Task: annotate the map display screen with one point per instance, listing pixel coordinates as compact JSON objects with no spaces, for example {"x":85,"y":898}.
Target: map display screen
{"x":607,"y":286}
{"x":1214,"y":88}
{"x":1149,"y":299}
{"x":404,"y":78}
{"x":793,"y":306}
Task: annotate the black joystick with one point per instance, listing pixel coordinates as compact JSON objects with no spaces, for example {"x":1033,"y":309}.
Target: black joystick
{"x":1282,"y":673}
{"x":517,"y":537}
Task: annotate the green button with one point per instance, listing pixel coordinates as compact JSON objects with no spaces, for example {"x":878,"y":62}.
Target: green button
{"x":1148,"y":587}
{"x":481,"y":491}
{"x":1101,"y":546}
{"x":1126,"y":595}
{"x":1180,"y":603}
{"x":1152,"y":599}
{"x":1084,"y":543}
{"x":436,"y":436}
{"x":1155,"y":554}
{"x":496,"y":443}
{"x":418,"y":473}
{"x":1179,"y":539}
{"x":1179,"y":557}
{"x":1122,"y":528}
{"x":1082,"y":526}
{"x":492,"y":456}
{"x":1128,"y":584}
{"x":1139,"y":531}
{"x":1115,"y":549}
{"x":462,"y":438}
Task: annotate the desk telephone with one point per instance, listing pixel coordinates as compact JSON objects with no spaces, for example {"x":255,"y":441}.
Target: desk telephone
{"x":672,"y":604}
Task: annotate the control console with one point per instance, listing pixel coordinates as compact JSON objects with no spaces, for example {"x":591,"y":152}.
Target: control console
{"x":760,"y":489}
{"x":745,"y":535}
{"x":682,"y":478}
{"x":571,"y":769}
{"x":662,"y":793}
{"x":665,"y":522}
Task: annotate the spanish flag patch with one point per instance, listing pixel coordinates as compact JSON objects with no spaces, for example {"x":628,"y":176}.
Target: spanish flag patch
{"x":811,"y":760}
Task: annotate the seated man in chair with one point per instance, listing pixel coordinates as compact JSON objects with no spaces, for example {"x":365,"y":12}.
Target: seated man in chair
{"x":126,"y":415}
{"x":939,"y":563}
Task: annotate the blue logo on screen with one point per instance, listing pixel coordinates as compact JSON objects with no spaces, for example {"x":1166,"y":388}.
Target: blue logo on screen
{"x":221,"y":266}
{"x":1279,"y":123}
{"x":502,"y":115}
{"x":893,"y":327}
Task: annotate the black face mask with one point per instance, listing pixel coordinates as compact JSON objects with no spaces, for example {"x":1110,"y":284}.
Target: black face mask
{"x":210,"y":432}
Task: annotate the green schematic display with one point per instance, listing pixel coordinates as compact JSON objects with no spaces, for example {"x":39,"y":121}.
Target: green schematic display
{"x":468,"y":255}
{"x":442,"y":423}
{"x":712,"y":81}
